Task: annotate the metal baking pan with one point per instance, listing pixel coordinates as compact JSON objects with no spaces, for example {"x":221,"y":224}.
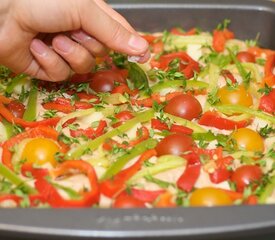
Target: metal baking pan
{"x":239,"y":222}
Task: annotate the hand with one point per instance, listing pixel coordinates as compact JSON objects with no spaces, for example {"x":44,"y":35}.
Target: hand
{"x":76,"y":31}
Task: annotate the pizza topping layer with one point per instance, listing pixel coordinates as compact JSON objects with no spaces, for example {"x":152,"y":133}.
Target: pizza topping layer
{"x":194,"y":126}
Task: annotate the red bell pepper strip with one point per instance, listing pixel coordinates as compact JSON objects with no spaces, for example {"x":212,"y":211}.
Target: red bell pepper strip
{"x":146,"y":195}
{"x":123,"y":88}
{"x":257,"y":51}
{"x":220,"y":37}
{"x":187,"y":65}
{"x":40,"y":131}
{"x":27,"y":168}
{"x":10,"y":197}
{"x":251,"y":200}
{"x":112,"y":186}
{"x":165,"y":201}
{"x":229,"y":75}
{"x":87,"y":96}
{"x":191,"y":173}
{"x":142,"y":134}
{"x":10,"y":118}
{"x":212,"y":119}
{"x":126,"y":200}
{"x":90,"y":132}
{"x":55,"y":200}
{"x":267,"y":102}
{"x":212,"y":153}
{"x":157,"y":124}
{"x":269,"y":77}
{"x":147,"y":102}
{"x":177,"y":31}
{"x":4,"y":99}
{"x":122,"y":117}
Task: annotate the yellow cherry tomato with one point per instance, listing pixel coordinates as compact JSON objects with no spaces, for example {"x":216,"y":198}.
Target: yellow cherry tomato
{"x":248,"y":139}
{"x":40,"y":151}
{"x":236,"y":96}
{"x":209,"y":197}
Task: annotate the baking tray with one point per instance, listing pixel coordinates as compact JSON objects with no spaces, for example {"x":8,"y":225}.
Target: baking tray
{"x":239,"y":222}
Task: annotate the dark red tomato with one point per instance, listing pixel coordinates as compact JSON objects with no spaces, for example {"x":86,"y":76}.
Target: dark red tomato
{"x":185,"y":106}
{"x":174,"y":144}
{"x":245,"y":57}
{"x":127,"y":201}
{"x":123,"y":117}
{"x":104,"y":81}
{"x":17,"y":108}
{"x":246,"y":175}
{"x":81,"y":78}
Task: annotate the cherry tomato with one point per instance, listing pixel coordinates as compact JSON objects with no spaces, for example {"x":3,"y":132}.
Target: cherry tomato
{"x":17,"y":108}
{"x":248,"y":139}
{"x":174,"y":144}
{"x":209,"y":197}
{"x":104,"y":81}
{"x":245,"y":57}
{"x":184,"y":106}
{"x":238,"y":96}
{"x":127,"y":201}
{"x":122,"y":117}
{"x":40,"y":151}
{"x":246,"y":175}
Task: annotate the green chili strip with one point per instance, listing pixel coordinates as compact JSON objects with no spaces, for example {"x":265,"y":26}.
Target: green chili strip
{"x":11,"y":176}
{"x":79,"y":113}
{"x":123,"y":160}
{"x":195,"y":127}
{"x":94,"y":144}
{"x":190,"y":84}
{"x":164,"y":163}
{"x":214,"y":73}
{"x":233,"y":109}
{"x":8,"y":127}
{"x":177,"y":42}
{"x":268,"y":190}
{"x":241,"y":69}
{"x":14,"y":82}
{"x":30,"y":113}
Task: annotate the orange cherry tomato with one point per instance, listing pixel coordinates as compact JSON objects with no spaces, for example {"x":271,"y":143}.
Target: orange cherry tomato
{"x":209,"y":197}
{"x":235,"y":96}
{"x":40,"y":151}
{"x":248,"y":139}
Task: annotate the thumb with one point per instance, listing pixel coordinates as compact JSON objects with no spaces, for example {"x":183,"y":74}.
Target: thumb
{"x":104,"y":28}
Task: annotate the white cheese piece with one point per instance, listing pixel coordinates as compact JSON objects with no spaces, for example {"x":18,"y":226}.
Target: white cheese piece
{"x":194,"y":51}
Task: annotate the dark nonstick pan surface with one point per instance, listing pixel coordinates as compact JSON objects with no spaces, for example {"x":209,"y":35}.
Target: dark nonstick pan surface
{"x":239,"y":223}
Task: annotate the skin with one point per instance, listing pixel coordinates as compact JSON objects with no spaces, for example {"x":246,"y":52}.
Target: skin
{"x":49,"y":39}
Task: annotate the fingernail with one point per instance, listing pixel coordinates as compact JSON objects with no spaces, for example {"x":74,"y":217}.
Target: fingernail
{"x":145,"y":57}
{"x":137,"y":43}
{"x":63,"y":44}
{"x":39,"y":47}
{"x":80,"y":36}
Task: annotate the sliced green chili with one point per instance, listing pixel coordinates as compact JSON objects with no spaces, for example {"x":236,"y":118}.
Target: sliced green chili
{"x":94,"y":144}
{"x":14,"y":82}
{"x":123,"y":160}
{"x":13,"y":178}
{"x":31,"y":110}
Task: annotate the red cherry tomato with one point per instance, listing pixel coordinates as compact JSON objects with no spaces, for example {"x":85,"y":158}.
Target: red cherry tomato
{"x":104,"y":81}
{"x":245,"y":57}
{"x":123,"y":117}
{"x":17,"y":108}
{"x":174,"y":144}
{"x":185,"y":106}
{"x":81,"y":78}
{"x":127,"y":201}
{"x":246,"y":175}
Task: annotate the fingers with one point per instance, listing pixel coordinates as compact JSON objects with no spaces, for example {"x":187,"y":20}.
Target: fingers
{"x":109,"y":31}
{"x":95,"y":47}
{"x":79,"y":58}
{"x":48,"y":65}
